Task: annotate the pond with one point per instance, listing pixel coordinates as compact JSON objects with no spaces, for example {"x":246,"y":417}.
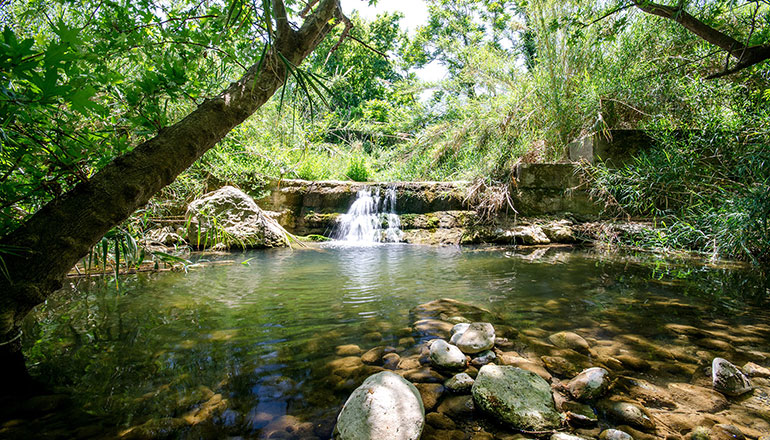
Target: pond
{"x":248,"y":347}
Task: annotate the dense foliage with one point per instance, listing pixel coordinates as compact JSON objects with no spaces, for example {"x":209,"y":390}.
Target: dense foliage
{"x":82,"y":83}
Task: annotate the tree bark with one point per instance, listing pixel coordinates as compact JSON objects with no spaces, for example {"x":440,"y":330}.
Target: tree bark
{"x":746,"y":56}
{"x":61,"y":233}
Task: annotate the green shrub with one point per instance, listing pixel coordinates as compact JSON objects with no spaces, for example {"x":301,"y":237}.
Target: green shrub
{"x":357,"y":170}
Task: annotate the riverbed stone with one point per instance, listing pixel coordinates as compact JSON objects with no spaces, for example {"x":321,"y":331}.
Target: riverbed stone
{"x":754,"y":370}
{"x":446,"y":356}
{"x":633,"y":362}
{"x":423,"y":375}
{"x":514,"y":360}
{"x":431,"y":393}
{"x":373,"y":356}
{"x":515,"y":396}
{"x":478,"y":337}
{"x":628,"y":413}
{"x":589,"y":384}
{"x":347,"y":350}
{"x":459,"y":383}
{"x":384,"y":407}
{"x":698,"y":398}
{"x":457,"y":407}
{"x":728,"y":379}
{"x":483,"y":358}
{"x":231,"y":217}
{"x":570,"y":340}
{"x":579,"y":414}
{"x":559,"y":366}
{"x":614,"y":434}
{"x":433,"y":327}
{"x":390,"y":361}
{"x":445,"y":308}
{"x":439,"y":421}
{"x":565,"y":436}
{"x":726,"y":432}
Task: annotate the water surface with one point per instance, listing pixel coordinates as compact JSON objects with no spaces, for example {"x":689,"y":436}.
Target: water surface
{"x":260,"y":332}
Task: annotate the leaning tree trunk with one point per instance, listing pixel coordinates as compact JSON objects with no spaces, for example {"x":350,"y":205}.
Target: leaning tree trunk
{"x":61,"y":233}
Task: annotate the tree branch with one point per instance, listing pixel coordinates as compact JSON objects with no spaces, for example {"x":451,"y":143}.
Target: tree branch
{"x":281,"y":19}
{"x":745,"y":55}
{"x":64,"y":230}
{"x":692,"y":24}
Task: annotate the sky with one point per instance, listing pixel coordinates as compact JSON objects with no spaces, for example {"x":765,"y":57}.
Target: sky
{"x":415,"y":14}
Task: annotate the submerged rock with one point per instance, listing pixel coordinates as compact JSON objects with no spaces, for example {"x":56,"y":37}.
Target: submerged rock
{"x":579,"y":414}
{"x":565,"y":436}
{"x":347,"y":350}
{"x":445,"y":308}
{"x":726,"y":432}
{"x":477,"y":337}
{"x":590,"y":384}
{"x":457,"y":407}
{"x":384,"y":407}
{"x":431,"y":393}
{"x":728,"y":379}
{"x":559,"y":366}
{"x":515,"y":396}
{"x":446,"y":356}
{"x":483,"y":358}
{"x":614,"y":434}
{"x":628,"y":413}
{"x":570,"y":340}
{"x":753,"y":370}
{"x":229,"y":216}
{"x":459,"y":383}
{"x":391,"y":361}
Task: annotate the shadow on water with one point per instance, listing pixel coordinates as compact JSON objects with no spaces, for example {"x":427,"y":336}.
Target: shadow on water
{"x":273,"y":344}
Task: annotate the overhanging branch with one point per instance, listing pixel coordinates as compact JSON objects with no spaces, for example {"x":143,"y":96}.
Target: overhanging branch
{"x":746,"y":56}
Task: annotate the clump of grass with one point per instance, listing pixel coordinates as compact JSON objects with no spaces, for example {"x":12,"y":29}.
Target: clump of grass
{"x":357,"y":169}
{"x":707,"y":191}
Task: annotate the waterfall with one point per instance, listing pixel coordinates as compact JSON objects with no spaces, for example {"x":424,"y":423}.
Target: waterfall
{"x":363,"y":222}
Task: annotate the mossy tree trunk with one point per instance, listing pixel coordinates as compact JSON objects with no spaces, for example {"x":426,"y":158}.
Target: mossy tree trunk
{"x":55,"y":238}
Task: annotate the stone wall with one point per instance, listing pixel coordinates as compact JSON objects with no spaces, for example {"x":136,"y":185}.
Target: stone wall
{"x":613,"y":147}
{"x":435,"y":212}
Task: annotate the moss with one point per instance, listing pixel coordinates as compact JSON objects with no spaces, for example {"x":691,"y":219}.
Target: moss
{"x":432,"y":222}
{"x":316,"y":237}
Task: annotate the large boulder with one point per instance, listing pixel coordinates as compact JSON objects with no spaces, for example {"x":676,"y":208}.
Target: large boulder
{"x":229,"y":217}
{"x":384,"y":407}
{"x":515,"y":396}
{"x":728,"y":379}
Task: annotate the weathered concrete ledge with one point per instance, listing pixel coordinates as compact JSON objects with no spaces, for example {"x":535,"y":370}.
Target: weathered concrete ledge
{"x":307,"y":207}
{"x":553,"y":189}
{"x":332,"y":196}
{"x":437,"y":212}
{"x":614,"y":148}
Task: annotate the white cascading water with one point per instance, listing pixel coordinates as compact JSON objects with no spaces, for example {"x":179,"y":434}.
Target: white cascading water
{"x":363,"y":222}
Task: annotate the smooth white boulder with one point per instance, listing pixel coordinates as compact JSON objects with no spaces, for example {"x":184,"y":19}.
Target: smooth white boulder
{"x":384,"y":407}
{"x":446,"y":356}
